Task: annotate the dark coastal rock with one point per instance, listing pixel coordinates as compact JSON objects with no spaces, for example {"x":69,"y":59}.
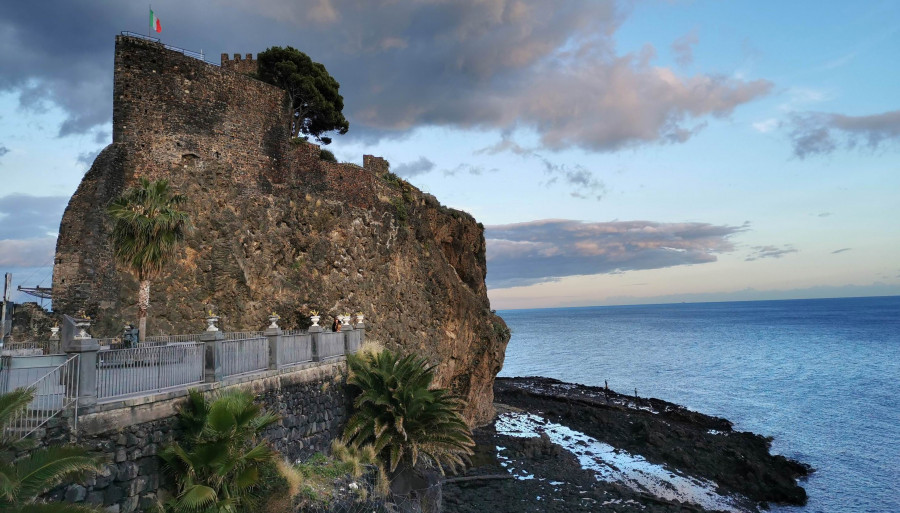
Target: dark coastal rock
{"x":661,"y":432}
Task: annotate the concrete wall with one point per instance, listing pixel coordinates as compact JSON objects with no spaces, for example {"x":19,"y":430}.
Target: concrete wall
{"x":311,"y":399}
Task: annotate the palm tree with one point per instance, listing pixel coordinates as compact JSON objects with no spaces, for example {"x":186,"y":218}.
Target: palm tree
{"x":23,"y":480}
{"x":216,"y":469}
{"x":406,"y":421}
{"x":147,"y":228}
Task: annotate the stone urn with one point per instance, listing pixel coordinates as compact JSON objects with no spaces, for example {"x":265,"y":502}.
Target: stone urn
{"x":81,"y":327}
{"x":54,"y":333}
{"x":359,"y":318}
{"x":345,"y":320}
{"x":211,"y":323}
{"x":314,"y":319}
{"x":273,"y":321}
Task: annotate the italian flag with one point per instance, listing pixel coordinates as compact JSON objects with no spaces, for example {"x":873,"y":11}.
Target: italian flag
{"x":154,"y":22}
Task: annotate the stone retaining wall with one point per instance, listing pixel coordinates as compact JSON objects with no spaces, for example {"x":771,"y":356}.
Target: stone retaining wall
{"x":311,"y":399}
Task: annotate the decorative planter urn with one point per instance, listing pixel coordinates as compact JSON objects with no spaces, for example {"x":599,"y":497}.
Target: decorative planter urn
{"x":211,"y":323}
{"x":314,"y":319}
{"x":345,"y":320}
{"x":273,"y":321}
{"x":82,"y":325}
{"x":359,"y":318}
{"x":54,"y":333}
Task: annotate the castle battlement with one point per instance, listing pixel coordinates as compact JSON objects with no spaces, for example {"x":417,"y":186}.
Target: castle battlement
{"x":246,"y":65}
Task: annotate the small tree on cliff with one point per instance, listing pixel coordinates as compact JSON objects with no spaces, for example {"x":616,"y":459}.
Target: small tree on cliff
{"x":316,"y":104}
{"x":147,"y":229}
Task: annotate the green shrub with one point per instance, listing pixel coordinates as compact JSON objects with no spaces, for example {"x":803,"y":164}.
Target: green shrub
{"x":327,"y":156}
{"x":407,"y":422}
{"x":219,"y":463}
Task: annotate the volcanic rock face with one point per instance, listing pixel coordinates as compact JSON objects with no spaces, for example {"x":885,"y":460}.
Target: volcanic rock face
{"x":275,"y":228}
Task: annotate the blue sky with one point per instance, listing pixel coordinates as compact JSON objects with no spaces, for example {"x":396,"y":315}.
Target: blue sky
{"x":618,"y":152}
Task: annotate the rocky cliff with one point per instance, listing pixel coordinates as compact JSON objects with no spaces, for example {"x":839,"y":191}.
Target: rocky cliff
{"x":275,"y":228}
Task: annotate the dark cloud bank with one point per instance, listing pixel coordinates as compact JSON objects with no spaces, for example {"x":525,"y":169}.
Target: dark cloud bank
{"x":539,"y":251}
{"x":495,"y":64}
{"x":818,"y":133}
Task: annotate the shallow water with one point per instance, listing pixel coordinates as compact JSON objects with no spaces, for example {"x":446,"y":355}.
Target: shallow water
{"x":821,"y":376}
{"x":611,"y":464}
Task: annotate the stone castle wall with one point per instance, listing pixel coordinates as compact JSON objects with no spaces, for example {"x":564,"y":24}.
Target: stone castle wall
{"x":275,"y":227}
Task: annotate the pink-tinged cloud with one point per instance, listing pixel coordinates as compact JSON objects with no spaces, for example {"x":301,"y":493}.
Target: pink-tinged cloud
{"x":488,"y":64}
{"x":547,"y":250}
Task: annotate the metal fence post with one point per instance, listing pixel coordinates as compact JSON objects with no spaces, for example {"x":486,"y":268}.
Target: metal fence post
{"x":212,"y":359}
{"x":273,"y":333}
{"x":76,"y":340}
{"x":315,"y":338}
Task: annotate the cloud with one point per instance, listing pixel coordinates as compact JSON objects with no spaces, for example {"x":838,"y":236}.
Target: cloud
{"x":585,"y":183}
{"x":28,"y":252}
{"x":818,"y":133}
{"x":3,"y":150}
{"x":825,"y":214}
{"x":770,"y":252}
{"x":486,"y":64}
{"x":540,"y":251}
{"x":683,"y":48}
{"x":767,"y":125}
{"x":29,"y":217}
{"x":835,"y":252}
{"x":469,"y":169}
{"x":418,"y":167}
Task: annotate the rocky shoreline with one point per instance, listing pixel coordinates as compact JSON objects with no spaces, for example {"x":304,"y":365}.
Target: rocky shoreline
{"x":563,"y":447}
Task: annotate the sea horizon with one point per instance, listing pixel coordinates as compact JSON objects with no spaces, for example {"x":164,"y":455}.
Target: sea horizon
{"x":501,"y":310}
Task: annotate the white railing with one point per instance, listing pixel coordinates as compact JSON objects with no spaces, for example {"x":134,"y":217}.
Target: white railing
{"x":294,"y":349}
{"x":54,"y":391}
{"x":142,"y":370}
{"x":242,"y":356}
{"x":294,"y":332}
{"x":331,"y":345}
{"x":172,"y":339}
{"x":241,"y":335}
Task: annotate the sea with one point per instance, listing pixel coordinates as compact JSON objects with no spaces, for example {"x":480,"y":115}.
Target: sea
{"x":821,"y":376}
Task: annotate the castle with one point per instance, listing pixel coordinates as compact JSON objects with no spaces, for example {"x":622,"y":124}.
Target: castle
{"x":275,"y":228}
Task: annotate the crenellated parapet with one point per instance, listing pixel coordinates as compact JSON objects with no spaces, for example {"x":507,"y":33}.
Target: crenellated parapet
{"x":247,"y":65}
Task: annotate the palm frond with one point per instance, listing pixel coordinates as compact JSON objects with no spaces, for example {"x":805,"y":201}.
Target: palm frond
{"x":45,"y":468}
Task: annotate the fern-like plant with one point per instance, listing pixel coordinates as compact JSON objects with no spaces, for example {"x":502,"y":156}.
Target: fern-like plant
{"x":23,"y":480}
{"x":216,"y":467}
{"x":407,"y":422}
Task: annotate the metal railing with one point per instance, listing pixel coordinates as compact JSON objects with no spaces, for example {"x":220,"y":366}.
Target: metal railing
{"x":243,"y":356}
{"x":31,"y":347}
{"x":294,"y":332}
{"x":54,"y":391}
{"x":190,"y":53}
{"x":331,"y":345}
{"x":141,"y":370}
{"x":294,"y":349}
{"x":240,"y":335}
{"x":172,"y":339}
